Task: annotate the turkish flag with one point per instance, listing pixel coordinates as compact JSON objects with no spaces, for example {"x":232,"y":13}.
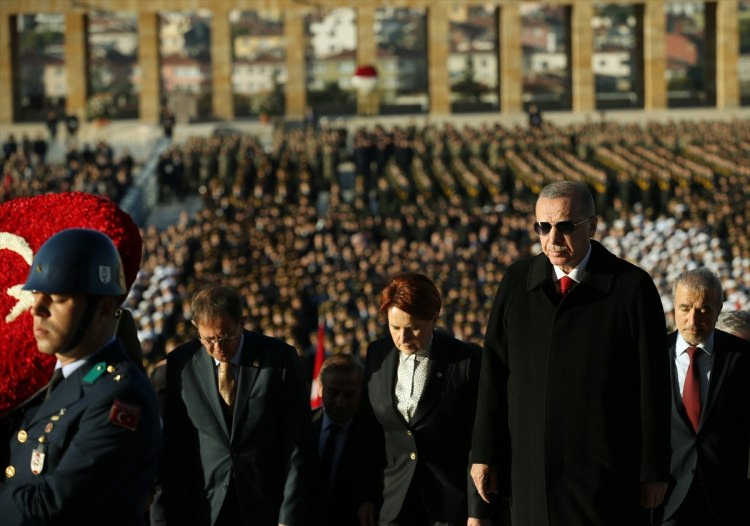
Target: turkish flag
{"x":320,"y":355}
{"x":125,"y":415}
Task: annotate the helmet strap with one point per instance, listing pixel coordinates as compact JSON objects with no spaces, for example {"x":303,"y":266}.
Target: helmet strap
{"x":83,"y":324}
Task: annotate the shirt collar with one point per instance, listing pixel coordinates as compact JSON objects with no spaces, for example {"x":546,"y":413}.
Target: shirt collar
{"x":681,"y":345}
{"x":70,"y":368}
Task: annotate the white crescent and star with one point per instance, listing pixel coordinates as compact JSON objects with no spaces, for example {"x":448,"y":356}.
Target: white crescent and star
{"x":24,"y":298}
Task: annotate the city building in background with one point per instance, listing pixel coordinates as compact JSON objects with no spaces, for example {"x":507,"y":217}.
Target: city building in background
{"x":206,"y":60}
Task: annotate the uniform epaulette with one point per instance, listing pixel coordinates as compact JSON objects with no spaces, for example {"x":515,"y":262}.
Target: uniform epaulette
{"x":97,"y":371}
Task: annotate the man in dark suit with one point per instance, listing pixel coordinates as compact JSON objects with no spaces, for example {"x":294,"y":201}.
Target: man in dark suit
{"x":237,"y":425}
{"x":85,"y":450}
{"x":572,"y":422}
{"x":710,"y":410}
{"x":335,"y":434}
{"x":417,"y":415}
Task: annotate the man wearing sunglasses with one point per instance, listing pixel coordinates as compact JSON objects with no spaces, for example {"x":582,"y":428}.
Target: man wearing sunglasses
{"x":572,"y":423}
{"x":237,"y":425}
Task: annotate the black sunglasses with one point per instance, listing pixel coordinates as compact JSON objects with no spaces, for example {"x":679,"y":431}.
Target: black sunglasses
{"x":564,"y":227}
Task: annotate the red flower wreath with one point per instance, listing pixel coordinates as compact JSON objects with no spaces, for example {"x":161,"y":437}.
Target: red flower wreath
{"x":25,"y":224}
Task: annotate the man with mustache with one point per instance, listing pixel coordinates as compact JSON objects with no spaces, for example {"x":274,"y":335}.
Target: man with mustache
{"x":572,"y":422}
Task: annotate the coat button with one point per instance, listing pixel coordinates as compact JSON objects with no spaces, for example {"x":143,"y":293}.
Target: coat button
{"x":413,"y":456}
{"x":22,"y":436}
{"x":10,"y":472}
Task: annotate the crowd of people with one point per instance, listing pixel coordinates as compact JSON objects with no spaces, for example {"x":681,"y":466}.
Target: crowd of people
{"x":308,"y":226}
{"x":28,"y":171}
{"x":568,"y":403}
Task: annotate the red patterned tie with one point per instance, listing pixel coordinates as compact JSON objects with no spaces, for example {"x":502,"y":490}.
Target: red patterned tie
{"x":566,"y":283}
{"x":691,"y":391}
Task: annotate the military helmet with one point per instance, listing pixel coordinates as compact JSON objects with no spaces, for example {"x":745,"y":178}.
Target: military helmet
{"x":77,"y":261}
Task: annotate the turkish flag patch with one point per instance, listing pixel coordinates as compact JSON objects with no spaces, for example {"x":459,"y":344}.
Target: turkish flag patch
{"x":125,"y":415}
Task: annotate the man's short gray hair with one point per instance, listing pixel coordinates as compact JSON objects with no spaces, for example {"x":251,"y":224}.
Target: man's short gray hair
{"x":579,"y":192}
{"x":735,"y":321}
{"x":700,"y":280}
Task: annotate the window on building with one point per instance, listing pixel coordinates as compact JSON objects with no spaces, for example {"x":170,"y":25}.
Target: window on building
{"x":473,"y":58}
{"x":743,"y":69}
{"x":112,"y":79}
{"x":401,"y":38}
{"x":41,"y":87}
{"x":687,"y":49}
{"x":185,"y":44}
{"x":545,"y":35}
{"x":331,"y":40}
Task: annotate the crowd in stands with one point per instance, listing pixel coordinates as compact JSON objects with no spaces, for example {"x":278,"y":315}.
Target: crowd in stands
{"x":27,"y":171}
{"x":309,"y":226}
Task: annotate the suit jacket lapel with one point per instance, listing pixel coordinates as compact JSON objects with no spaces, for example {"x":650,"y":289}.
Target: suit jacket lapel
{"x":65,"y":394}
{"x":386,"y":381}
{"x":722,"y":362}
{"x":202,"y":378}
{"x":247,"y":373}
{"x":72,"y":388}
{"x":435,"y":380}
{"x":317,"y":424}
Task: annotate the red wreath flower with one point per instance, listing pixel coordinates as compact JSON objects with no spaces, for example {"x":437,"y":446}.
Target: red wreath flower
{"x":25,"y":224}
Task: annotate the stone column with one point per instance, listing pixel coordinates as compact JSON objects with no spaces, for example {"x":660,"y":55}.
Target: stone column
{"x":76,"y":64}
{"x":367,"y":53}
{"x":654,"y":55}
{"x":511,"y":55}
{"x":581,"y":53}
{"x":222,"y":94}
{"x":438,"y":49}
{"x":727,"y":54}
{"x":296,"y":44}
{"x":8,"y":68}
{"x":149,"y":59}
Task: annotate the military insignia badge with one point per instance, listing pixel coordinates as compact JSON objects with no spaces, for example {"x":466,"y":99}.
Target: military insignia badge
{"x":37,"y":460}
{"x":125,"y":415}
{"x":105,"y":274}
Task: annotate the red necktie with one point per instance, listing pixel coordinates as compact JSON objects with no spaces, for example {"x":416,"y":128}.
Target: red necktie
{"x":691,"y":391}
{"x":566,"y":283}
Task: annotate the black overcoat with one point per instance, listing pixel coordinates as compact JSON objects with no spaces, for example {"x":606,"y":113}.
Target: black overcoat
{"x":574,"y":397}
